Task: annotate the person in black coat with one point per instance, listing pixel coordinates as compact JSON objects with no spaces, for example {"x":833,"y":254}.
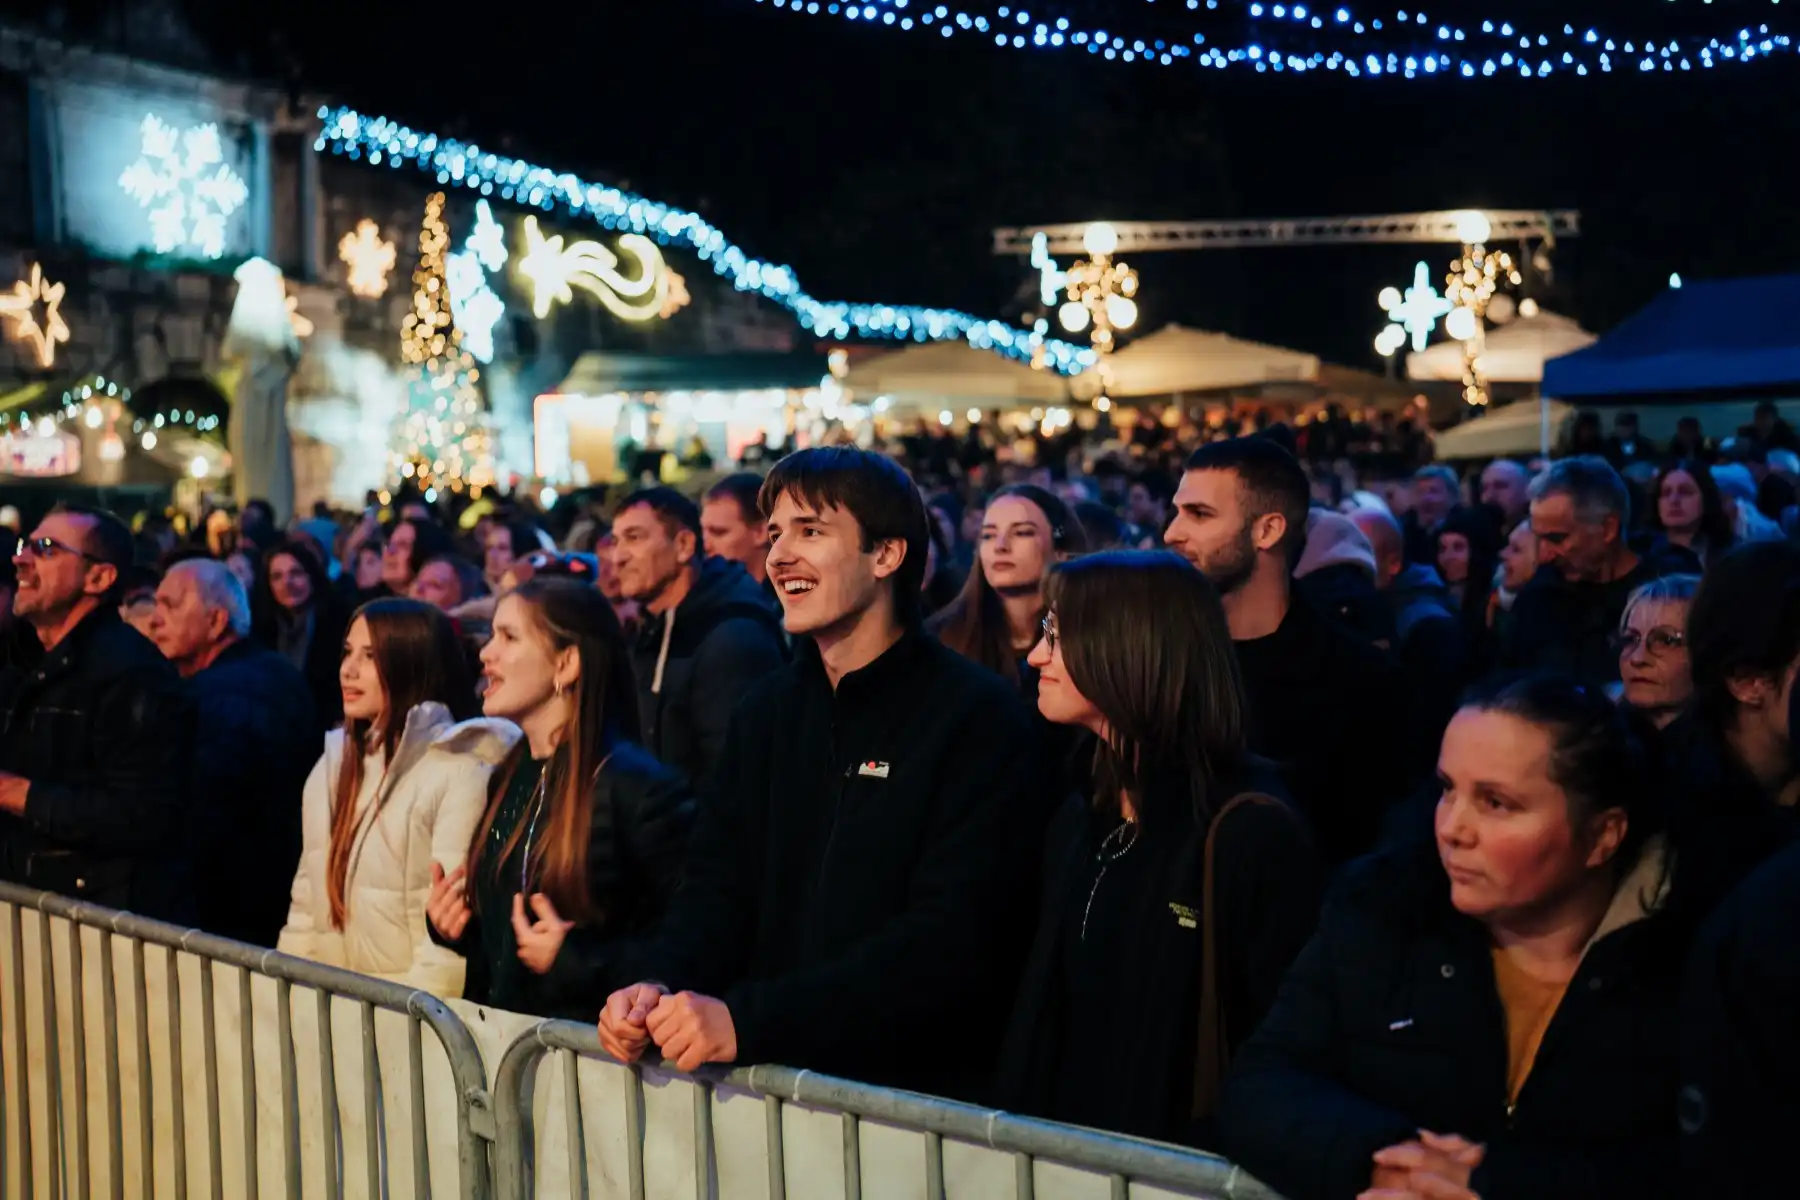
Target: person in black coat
{"x":95,"y":741}
{"x":1497,"y":1019}
{"x":296,"y":612}
{"x":585,"y":831}
{"x":1182,"y":882}
{"x":709,"y":631}
{"x":858,"y":890}
{"x":257,"y":737}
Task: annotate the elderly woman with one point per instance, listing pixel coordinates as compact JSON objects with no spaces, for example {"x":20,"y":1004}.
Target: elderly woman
{"x":1653,"y":656}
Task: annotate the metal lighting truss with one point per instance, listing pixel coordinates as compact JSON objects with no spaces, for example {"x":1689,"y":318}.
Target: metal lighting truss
{"x":1139,"y":237}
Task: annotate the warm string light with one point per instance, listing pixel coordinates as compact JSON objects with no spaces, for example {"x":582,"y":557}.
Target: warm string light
{"x":1474,"y":280}
{"x":369,"y":258}
{"x":380,"y":141}
{"x":1425,"y":48}
{"x":441,"y":438}
{"x":1100,"y":291}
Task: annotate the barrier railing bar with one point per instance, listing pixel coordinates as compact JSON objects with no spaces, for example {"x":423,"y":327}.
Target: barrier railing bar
{"x":775,"y":1148}
{"x":178,"y":1100}
{"x":703,"y":1139}
{"x":1024,"y":1177}
{"x":374,"y":1130}
{"x":247,"y":1067}
{"x":15,"y":932}
{"x":1139,"y":1161}
{"x":52,"y":1057}
{"x":209,"y":1043}
{"x":415,"y":1069}
{"x":109,"y":1016}
{"x":577,"y":1149}
{"x":333,"y":1128}
{"x":1121,"y":1188}
{"x":634,"y":1135}
{"x":78,"y":1018}
{"x":934,"y":1166}
{"x":290,"y":1086}
{"x":852,"y":1154}
{"x":140,"y":991}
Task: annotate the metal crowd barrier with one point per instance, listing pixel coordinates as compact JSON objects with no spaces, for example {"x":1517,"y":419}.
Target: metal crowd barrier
{"x":140,"y":1059}
{"x":772,"y":1131}
{"x":99,"y":1075}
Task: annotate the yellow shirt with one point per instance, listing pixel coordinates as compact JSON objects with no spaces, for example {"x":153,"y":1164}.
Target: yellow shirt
{"x":1529,"y":1005}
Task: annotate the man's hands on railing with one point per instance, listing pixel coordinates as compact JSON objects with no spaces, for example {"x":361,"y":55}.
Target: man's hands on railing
{"x":448,"y":906}
{"x":624,"y":1022}
{"x":690,"y":1029}
{"x":1434,"y":1167}
{"x":540,"y":940}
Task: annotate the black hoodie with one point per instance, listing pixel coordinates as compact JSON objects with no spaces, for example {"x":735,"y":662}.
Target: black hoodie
{"x":695,"y":663}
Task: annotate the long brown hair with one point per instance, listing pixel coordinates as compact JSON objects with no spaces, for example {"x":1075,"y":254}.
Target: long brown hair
{"x":566,"y":613}
{"x":419,"y":661}
{"x":1144,"y":638}
{"x":974,"y":624}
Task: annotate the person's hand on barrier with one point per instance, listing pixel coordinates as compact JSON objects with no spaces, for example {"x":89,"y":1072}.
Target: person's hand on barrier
{"x":540,"y":940}
{"x":448,"y":905}
{"x":1434,"y":1167}
{"x":692,"y":1030}
{"x":624,"y":1020}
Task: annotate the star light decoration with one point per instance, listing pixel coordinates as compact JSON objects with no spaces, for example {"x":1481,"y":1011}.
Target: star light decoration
{"x":182,"y":179}
{"x":1415,"y":311}
{"x":369,"y":259}
{"x":21,"y":308}
{"x":473,"y":305}
{"x":554,"y":271}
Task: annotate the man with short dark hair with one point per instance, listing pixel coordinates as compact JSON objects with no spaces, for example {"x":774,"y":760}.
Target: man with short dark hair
{"x":859,"y":884}
{"x":732,"y":526}
{"x":1505,"y":486}
{"x":1435,"y":493}
{"x":258,"y":737}
{"x":709,"y":633}
{"x":1565,"y":618}
{"x":1322,"y":702}
{"x":95,"y":740}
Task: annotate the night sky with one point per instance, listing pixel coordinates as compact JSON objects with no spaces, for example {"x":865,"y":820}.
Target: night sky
{"x":877,"y":162}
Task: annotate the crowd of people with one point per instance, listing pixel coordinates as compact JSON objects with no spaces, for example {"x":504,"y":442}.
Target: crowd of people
{"x":1401,"y":834}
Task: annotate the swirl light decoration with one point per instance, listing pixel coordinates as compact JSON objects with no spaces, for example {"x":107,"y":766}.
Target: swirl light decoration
{"x":554,"y":270}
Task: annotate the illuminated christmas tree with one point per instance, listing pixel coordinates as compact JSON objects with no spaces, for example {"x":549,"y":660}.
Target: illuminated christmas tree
{"x":441,"y":436}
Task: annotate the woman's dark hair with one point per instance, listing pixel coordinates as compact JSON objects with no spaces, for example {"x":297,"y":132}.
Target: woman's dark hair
{"x":567,"y":614}
{"x":1715,"y":526}
{"x":263,"y":608}
{"x":974,"y":624}
{"x":1103,"y":527}
{"x":1745,"y":621}
{"x":1595,"y":758}
{"x":1144,"y":638}
{"x":523,"y":536}
{"x":419,"y":661}
{"x":430,"y":541}
{"x":872,"y":488}
{"x":1480,"y":527}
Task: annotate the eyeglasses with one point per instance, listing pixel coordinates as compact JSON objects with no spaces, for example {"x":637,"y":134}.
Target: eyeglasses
{"x":1048,"y":625}
{"x":48,"y":547}
{"x":1661,"y":640}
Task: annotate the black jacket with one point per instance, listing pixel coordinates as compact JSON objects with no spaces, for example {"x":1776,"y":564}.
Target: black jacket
{"x":1567,"y":628}
{"x":1137,"y":1076}
{"x":1389,"y":1022}
{"x":637,"y":843}
{"x":258,"y":738}
{"x":859,"y":886}
{"x":324,"y":653}
{"x":104,"y":732}
{"x":1327,"y":707}
{"x":1740,"y":1068}
{"x":714,"y":646}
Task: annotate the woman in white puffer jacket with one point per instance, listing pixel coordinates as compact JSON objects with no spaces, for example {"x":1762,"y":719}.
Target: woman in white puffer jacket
{"x":375,"y":821}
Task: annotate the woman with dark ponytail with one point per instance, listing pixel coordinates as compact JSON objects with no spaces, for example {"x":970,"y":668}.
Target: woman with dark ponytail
{"x":584,"y":832}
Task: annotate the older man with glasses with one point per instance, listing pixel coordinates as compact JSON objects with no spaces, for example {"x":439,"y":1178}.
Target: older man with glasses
{"x":95,"y":739}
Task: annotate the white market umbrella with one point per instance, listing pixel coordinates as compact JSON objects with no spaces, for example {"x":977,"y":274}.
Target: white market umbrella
{"x":1175,"y":359}
{"x":1513,"y":353}
{"x":1523,"y":428}
{"x":953,"y":375}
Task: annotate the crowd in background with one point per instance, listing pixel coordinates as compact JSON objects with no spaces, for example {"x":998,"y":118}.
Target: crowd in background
{"x":1394,"y":829}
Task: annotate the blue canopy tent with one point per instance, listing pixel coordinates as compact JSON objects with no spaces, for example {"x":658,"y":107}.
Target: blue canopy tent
{"x":1733,"y":335}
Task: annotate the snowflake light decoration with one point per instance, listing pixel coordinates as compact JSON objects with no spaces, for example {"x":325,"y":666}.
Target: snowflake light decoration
{"x":368,"y":258}
{"x":473,"y":305}
{"x":1417,"y":309}
{"x":182,"y":179}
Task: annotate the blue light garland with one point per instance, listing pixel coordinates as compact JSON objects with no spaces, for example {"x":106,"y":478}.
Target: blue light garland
{"x":455,"y":164}
{"x":1433,"y":48}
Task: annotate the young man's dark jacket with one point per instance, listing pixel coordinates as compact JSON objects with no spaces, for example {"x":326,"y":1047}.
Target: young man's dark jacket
{"x":860,"y":880}
{"x":1567,"y":628}
{"x":715,"y":645}
{"x":103,"y":730}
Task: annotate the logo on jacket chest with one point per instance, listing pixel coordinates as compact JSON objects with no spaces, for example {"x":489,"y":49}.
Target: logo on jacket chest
{"x":872,"y":769}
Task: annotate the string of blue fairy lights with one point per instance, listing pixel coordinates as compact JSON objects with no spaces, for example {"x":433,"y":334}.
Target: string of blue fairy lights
{"x":1405,"y":42}
{"x":455,"y":164}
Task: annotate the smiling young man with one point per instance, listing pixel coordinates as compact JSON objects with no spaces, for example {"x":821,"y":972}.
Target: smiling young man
{"x":858,"y":887}
{"x":95,"y":739}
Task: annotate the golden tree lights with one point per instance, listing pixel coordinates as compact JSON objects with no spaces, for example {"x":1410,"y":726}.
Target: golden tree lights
{"x":440,"y":438}
{"x":1474,"y":280}
{"x":1100,"y":290}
